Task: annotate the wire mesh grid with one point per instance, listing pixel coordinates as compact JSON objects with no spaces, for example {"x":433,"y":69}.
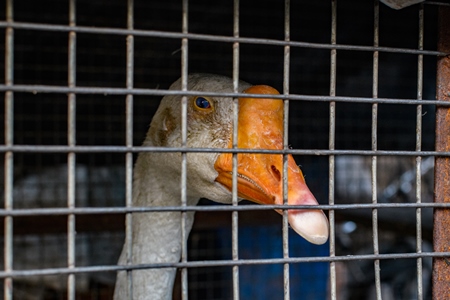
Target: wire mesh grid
{"x":82,"y":81}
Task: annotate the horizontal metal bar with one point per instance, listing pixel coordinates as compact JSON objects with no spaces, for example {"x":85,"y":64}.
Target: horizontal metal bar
{"x":217,"y":263}
{"x":208,"y":37}
{"x":106,"y":91}
{"x":390,"y":219}
{"x":437,"y":3}
{"x":208,"y":208}
{"x":138,"y":149}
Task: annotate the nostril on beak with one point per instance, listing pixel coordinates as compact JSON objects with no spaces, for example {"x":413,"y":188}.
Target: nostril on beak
{"x":275,"y":172}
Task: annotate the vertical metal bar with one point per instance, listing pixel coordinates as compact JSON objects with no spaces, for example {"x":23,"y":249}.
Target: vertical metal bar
{"x":9,"y":159}
{"x":129,"y":143}
{"x":184,"y":87}
{"x":331,"y":146}
{"x":419,"y":158}
{"x":376,"y":262}
{"x":234,"y":214}
{"x":441,"y":225}
{"x":287,"y":53}
{"x":71,"y":157}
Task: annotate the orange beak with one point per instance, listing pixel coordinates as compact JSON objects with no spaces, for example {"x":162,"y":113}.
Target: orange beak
{"x":260,"y":176}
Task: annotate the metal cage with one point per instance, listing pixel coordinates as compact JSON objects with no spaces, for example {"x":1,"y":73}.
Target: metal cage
{"x":82,"y":80}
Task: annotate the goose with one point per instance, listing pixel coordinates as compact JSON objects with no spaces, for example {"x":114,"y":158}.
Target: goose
{"x":156,"y":236}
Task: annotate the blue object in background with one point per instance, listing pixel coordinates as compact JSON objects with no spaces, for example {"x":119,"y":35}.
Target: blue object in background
{"x":307,"y":280}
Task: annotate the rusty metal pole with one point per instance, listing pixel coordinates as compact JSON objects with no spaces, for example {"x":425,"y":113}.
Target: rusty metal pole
{"x":441,"y":234}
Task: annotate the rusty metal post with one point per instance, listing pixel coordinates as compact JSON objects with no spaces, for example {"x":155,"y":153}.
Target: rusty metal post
{"x":441,"y":234}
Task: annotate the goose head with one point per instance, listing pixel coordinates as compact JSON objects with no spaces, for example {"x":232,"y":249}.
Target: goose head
{"x":210,"y":125}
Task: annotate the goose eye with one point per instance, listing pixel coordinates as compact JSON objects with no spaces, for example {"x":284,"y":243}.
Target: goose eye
{"x":202,"y":103}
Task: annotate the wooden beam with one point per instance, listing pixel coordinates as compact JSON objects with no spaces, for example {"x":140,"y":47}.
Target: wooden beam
{"x":441,"y":235}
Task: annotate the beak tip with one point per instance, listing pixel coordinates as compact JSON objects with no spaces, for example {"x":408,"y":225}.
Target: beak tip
{"x":311,"y":225}
{"x":318,"y":240}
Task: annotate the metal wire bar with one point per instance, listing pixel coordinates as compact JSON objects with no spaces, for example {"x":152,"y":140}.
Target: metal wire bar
{"x":184,"y":99}
{"x":9,"y":162}
{"x":419,"y":158}
{"x":207,"y":37}
{"x":376,"y":263}
{"x":286,"y":79}
{"x":129,"y":143}
{"x":209,"y":208}
{"x":441,"y":224}
{"x":137,"y":149}
{"x":219,"y":263}
{"x":9,"y":155}
{"x":154,"y":92}
{"x":71,"y":156}
{"x":331,"y":146}
{"x":436,"y":3}
{"x":234,"y":191}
